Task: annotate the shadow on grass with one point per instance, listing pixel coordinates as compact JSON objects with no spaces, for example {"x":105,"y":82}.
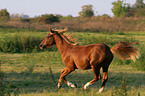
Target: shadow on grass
{"x":39,"y":82}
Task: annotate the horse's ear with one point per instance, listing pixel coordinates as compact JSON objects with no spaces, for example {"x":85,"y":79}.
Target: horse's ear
{"x":50,"y":29}
{"x":52,"y":32}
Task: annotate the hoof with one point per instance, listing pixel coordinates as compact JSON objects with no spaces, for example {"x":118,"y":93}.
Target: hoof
{"x":75,"y":86}
{"x":88,"y":84}
{"x":59,"y":86}
{"x":71,"y":84}
{"x":100,"y":90}
{"x":84,"y":88}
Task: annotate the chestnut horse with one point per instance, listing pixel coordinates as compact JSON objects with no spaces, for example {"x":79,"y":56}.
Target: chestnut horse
{"x":94,"y":56}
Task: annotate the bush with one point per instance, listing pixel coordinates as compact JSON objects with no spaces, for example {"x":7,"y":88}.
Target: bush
{"x":4,"y":15}
{"x":20,"y":44}
{"x":17,"y":44}
{"x":46,"y":19}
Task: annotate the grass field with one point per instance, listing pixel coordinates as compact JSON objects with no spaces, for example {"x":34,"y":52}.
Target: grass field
{"x":36,"y":73}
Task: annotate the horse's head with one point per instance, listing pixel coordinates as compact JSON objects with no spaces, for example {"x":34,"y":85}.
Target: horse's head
{"x":49,"y":39}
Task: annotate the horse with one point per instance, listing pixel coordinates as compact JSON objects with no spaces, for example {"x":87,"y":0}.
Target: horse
{"x":93,"y":56}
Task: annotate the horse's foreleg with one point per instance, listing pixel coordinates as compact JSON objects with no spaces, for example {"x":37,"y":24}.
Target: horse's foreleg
{"x":96,"y":71}
{"x":65,"y":72}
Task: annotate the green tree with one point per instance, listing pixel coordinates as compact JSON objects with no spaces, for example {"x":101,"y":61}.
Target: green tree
{"x":138,"y":4}
{"x":87,"y":11}
{"x":46,"y":19}
{"x":4,"y":15}
{"x":139,"y":8}
{"x":120,"y":9}
{"x":50,"y":18}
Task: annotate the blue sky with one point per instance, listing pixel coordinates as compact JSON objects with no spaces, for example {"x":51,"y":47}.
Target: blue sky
{"x":63,"y":7}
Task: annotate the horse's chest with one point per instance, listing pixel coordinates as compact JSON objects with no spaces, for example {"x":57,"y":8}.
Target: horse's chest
{"x":68,"y":61}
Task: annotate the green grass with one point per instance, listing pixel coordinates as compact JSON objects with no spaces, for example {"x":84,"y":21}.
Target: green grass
{"x":29,"y":74}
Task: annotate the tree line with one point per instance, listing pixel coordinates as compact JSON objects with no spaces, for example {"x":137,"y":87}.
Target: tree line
{"x":120,"y":9}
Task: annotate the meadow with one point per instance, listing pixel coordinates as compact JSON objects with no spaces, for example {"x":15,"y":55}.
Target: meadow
{"x":28,"y":71}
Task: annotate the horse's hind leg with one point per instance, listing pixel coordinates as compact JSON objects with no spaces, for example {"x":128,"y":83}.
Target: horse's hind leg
{"x":105,"y":77}
{"x":65,"y":72}
{"x":96,"y":71}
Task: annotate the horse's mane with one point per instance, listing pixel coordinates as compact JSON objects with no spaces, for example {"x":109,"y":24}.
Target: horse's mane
{"x":69,"y":38}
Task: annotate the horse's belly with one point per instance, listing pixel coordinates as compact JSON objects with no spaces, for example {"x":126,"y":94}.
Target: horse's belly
{"x":83,"y":66}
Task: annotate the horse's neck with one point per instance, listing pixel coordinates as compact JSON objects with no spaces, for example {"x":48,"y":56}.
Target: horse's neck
{"x":61,"y":44}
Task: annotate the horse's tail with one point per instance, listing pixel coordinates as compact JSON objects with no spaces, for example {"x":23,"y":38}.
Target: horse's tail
{"x":126,"y":50}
